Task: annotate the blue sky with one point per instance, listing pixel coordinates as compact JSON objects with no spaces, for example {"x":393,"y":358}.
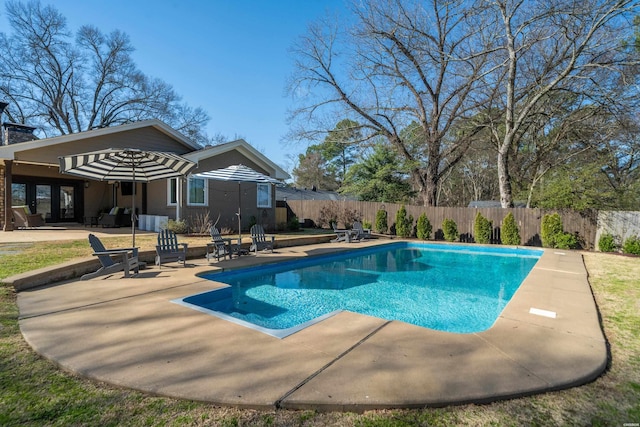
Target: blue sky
{"x":230,"y":57}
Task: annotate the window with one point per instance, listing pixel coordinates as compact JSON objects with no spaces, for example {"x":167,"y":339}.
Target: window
{"x":198,"y":192}
{"x":264,"y":195}
{"x":172,"y":192}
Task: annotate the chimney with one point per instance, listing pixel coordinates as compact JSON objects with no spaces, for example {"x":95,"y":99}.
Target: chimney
{"x":13,"y":133}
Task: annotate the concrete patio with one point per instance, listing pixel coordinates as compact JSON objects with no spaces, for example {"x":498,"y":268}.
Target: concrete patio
{"x":127,"y":332}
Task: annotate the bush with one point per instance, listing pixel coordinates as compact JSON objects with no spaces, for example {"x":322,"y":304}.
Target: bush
{"x":366,"y":224}
{"x":509,"y":233}
{"x":482,"y":229}
{"x":423,"y":228}
{"x":566,"y":241}
{"x":607,"y":243}
{"x":450,"y":230}
{"x":553,"y":235}
{"x":178,"y":227}
{"x":550,"y":230}
{"x":404,"y":224}
{"x":294,"y":224}
{"x":328,"y":215}
{"x":381,"y":221}
{"x":631,"y":245}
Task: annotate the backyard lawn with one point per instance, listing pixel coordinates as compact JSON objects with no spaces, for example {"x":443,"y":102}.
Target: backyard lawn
{"x":35,"y":392}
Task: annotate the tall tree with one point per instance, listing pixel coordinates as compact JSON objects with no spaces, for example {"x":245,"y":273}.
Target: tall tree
{"x":339,"y":148}
{"x":312,"y":172}
{"x":378,"y":178}
{"x":403,"y":62}
{"x":64,"y":85}
{"x":551,"y":46}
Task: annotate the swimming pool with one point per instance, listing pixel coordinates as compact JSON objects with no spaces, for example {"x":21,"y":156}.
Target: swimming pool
{"x":452,"y":288}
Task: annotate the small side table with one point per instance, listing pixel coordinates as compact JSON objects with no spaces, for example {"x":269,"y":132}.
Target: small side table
{"x":90,"y":221}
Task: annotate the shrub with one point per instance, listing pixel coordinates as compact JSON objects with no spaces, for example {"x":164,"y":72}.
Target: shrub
{"x":482,"y":229}
{"x":509,"y":233}
{"x":423,"y":227}
{"x":178,"y":227}
{"x":328,"y":215}
{"x":631,"y":245}
{"x":200,"y":223}
{"x":294,"y":224}
{"x":566,"y":241}
{"x":550,"y":230}
{"x":607,"y":243}
{"x":381,"y":221}
{"x":404,"y":223}
{"x":553,"y":235}
{"x":450,"y":230}
{"x":366,"y":224}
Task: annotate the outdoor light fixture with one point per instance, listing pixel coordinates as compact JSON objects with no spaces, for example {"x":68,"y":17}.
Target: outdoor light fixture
{"x":86,"y":184}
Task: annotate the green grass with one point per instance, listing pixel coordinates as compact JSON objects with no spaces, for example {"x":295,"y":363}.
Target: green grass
{"x":35,"y":392}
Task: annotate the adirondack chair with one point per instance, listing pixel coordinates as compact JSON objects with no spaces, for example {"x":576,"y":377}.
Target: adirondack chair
{"x":344,"y":235}
{"x":219,"y":247}
{"x":260,"y":241}
{"x":362,"y":233}
{"x":168,"y":249}
{"x":113,"y":260}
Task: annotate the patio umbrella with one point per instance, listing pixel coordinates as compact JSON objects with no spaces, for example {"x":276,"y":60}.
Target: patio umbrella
{"x":239,"y":174}
{"x":126,"y":164}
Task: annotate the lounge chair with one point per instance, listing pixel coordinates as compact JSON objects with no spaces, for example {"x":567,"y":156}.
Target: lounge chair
{"x":168,"y":249}
{"x":362,"y":233}
{"x":219,"y":247}
{"x":23,"y":218}
{"x":260,"y":241}
{"x":113,"y":260}
{"x":344,"y":235}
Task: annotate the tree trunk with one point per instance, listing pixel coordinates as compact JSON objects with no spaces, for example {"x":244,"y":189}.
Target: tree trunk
{"x":504,"y":180}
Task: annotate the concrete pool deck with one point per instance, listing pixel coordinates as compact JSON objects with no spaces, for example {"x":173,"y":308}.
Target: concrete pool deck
{"x":127,"y":332}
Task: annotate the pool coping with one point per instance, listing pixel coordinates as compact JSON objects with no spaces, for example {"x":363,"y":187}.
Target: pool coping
{"x":126,"y":332}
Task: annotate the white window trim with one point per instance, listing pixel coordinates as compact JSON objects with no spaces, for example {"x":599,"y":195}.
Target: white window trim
{"x":169,"y":202}
{"x":269,"y":191}
{"x":206,"y":192}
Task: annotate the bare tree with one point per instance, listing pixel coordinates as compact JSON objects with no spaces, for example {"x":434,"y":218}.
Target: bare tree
{"x":404,"y":62}
{"x":64,"y":85}
{"x":547,"y":46}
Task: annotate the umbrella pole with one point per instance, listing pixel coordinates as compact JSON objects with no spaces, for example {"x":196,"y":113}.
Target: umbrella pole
{"x":239,"y":219}
{"x":133,"y":209}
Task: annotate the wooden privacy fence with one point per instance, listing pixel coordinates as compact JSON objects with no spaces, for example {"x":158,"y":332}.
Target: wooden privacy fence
{"x":584,"y":224}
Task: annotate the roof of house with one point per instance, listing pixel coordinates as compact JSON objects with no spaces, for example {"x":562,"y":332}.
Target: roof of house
{"x":9,"y":151}
{"x":47,"y":150}
{"x":246,"y":150}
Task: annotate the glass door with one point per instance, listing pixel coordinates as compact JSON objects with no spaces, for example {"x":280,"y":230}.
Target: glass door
{"x":66,"y":203}
{"x":43,"y":201}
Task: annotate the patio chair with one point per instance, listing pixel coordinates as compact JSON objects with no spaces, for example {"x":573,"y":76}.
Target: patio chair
{"x":362,"y":233}
{"x":344,"y":235}
{"x":23,"y":218}
{"x":260,"y":241}
{"x":113,"y":260}
{"x":168,"y":249}
{"x":111,"y":219}
{"x":220,"y":247}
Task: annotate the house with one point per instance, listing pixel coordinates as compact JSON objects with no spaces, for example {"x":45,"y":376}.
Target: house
{"x":29,"y":173}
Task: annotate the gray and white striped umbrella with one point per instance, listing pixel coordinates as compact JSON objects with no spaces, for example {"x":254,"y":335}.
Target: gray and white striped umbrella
{"x":126,"y":164}
{"x":239,"y":174}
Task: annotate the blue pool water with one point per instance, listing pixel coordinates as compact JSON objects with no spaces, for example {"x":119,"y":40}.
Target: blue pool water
{"x":459,"y":289}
